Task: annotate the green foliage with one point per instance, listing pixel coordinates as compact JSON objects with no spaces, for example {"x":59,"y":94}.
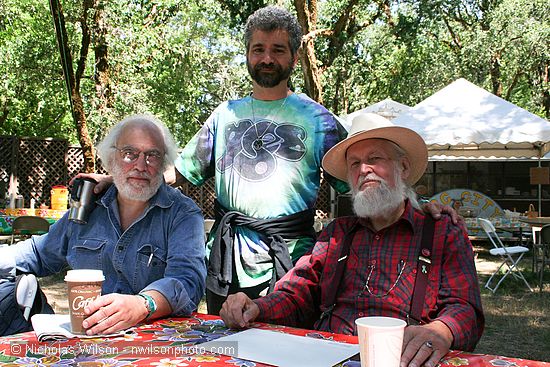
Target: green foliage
{"x":174,"y":60}
{"x":239,"y":10}
{"x":433,"y":43}
{"x":179,"y":60}
{"x":31,"y":76}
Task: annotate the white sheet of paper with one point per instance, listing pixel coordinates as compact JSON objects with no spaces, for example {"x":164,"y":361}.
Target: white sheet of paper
{"x":58,"y":327}
{"x":280,"y":349}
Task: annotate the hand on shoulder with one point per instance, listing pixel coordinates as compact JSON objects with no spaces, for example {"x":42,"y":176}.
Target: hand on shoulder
{"x":435,"y":209}
{"x":103,"y":181}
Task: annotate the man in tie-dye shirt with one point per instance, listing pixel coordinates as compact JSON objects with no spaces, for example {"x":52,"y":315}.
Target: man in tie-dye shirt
{"x":265,"y":152}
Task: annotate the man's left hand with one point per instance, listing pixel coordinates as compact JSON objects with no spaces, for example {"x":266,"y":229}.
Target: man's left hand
{"x":435,"y":209}
{"x":113,"y":312}
{"x":425,"y":345}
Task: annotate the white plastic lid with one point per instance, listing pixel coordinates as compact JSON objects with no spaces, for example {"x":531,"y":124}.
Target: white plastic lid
{"x":84,"y":275}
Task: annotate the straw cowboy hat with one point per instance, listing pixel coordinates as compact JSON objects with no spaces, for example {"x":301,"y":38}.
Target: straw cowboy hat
{"x":373,"y":126}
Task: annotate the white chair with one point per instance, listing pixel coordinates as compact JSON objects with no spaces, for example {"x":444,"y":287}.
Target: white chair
{"x":511,"y":256}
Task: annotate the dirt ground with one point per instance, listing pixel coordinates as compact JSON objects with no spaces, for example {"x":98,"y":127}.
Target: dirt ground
{"x":55,"y":289}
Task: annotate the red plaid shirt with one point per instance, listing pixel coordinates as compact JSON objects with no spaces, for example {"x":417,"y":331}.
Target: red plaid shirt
{"x":452,"y":295}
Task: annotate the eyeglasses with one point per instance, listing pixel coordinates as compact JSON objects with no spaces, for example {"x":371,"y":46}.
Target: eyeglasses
{"x":153,"y":158}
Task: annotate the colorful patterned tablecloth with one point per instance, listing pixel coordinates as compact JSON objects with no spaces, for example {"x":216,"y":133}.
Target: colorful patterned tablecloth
{"x":176,"y":342}
{"x":44,"y":213}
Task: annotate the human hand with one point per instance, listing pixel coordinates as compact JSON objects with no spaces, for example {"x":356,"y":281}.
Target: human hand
{"x":113,"y":312}
{"x":103,"y":181}
{"x":425,"y":345}
{"x":435,"y":209}
{"x":238,"y":311}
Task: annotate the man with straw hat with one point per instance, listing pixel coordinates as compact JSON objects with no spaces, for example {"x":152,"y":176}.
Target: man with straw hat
{"x":389,"y":260}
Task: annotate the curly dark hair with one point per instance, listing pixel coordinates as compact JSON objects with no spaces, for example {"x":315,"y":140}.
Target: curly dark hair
{"x":273,"y":18}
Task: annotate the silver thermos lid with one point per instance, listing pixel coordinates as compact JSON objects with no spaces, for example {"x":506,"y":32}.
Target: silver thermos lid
{"x":82,"y":200}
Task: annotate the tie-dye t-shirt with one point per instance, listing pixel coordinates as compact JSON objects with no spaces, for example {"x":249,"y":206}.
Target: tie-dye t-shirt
{"x":266,"y":158}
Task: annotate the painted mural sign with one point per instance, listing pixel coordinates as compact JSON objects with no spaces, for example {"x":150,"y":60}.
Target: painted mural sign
{"x":479,"y":204}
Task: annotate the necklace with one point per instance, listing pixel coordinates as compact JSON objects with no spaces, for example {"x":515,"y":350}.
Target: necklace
{"x":401,"y":268}
{"x":258,"y":142}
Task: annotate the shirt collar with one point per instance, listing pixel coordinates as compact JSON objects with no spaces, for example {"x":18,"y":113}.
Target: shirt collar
{"x":408,"y":216}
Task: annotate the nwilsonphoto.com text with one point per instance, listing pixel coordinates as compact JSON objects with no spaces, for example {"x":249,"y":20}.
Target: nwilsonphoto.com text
{"x":126,"y":349}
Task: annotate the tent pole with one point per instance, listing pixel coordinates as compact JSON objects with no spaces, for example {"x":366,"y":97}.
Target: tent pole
{"x":540,"y":194}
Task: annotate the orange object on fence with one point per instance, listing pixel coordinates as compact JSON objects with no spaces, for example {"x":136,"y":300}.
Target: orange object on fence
{"x":59,"y":197}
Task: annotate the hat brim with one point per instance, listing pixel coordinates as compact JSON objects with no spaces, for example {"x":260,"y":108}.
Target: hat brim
{"x":334,"y":161}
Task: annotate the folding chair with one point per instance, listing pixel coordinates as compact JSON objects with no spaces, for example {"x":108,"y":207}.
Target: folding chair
{"x":27,"y":225}
{"x":511,"y":256}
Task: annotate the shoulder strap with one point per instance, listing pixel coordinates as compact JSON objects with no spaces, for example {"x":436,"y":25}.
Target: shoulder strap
{"x":422,"y":271}
{"x":329,"y":301}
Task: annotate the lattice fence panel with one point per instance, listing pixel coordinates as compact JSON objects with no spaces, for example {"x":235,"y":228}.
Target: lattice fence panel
{"x":322,"y":205}
{"x":7,"y":144}
{"x":40,"y":165}
{"x":47,"y":162}
{"x":204,"y":196}
{"x":75,"y":162}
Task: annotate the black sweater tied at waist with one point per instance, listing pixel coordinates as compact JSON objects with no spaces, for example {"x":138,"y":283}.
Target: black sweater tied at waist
{"x":276,"y":230}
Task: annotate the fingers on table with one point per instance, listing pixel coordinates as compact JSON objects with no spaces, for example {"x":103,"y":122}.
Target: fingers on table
{"x":420,"y":353}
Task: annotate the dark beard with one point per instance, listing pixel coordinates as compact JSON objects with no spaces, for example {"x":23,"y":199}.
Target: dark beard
{"x":268,"y":80}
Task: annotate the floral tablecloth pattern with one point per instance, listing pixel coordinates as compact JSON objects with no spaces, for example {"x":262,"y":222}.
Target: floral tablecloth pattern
{"x":176,"y":342}
{"x":45,"y":213}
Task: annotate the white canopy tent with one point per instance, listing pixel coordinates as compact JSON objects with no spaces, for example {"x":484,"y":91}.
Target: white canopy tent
{"x":387,"y":108}
{"x":463,"y":121}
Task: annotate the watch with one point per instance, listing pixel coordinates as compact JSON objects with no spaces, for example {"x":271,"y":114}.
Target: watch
{"x":150,"y":304}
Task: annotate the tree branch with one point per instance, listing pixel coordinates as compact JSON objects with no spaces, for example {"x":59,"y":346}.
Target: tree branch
{"x":85,"y":43}
{"x":4,"y":115}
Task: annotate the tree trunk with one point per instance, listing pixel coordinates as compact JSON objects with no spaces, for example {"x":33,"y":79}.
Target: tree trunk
{"x":495,"y":74}
{"x":307,"y":17}
{"x":102,"y":75}
{"x":4,"y":113}
{"x":73,"y":83}
{"x":340,"y":32}
{"x":545,"y":78}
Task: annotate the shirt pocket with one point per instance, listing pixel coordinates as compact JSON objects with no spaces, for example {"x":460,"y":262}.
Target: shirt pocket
{"x":87,"y":254}
{"x":151,"y":265}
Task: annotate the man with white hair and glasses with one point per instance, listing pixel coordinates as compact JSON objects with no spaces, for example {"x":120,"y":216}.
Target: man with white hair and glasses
{"x":390,"y":259}
{"x":146,"y":237}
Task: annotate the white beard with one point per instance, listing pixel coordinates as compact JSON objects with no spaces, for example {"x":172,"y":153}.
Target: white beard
{"x":135,"y":192}
{"x":378,"y":201}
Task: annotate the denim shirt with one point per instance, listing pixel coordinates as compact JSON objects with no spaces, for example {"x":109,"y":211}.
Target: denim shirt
{"x":163,"y":250}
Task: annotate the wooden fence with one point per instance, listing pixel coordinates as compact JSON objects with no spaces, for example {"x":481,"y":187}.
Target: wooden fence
{"x":38,"y":164}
